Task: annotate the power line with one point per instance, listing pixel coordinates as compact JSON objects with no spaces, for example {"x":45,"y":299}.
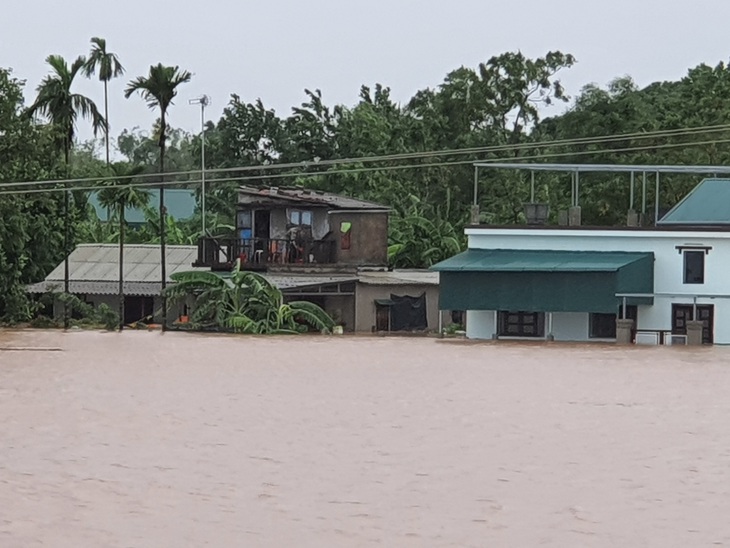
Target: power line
{"x":367,"y":169}
{"x":392,"y":157}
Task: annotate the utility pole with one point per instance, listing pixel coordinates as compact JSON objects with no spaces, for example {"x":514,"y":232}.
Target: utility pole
{"x":203,"y":101}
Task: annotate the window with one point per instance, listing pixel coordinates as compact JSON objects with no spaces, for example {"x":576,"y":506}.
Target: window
{"x":244,"y":219}
{"x":694,"y":267}
{"x":602,"y":326}
{"x":300,"y":217}
{"x":521,"y":324}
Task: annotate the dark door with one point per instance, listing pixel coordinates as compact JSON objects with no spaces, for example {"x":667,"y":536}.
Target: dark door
{"x":382,"y":317}
{"x":682,"y":313}
{"x":261,"y":234}
{"x":137,"y":308}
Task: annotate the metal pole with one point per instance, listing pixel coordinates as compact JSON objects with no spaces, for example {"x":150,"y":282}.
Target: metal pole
{"x":532,"y":187}
{"x":643,"y":194}
{"x":66,"y":251}
{"x":631,"y":199}
{"x":577,"y":188}
{"x":476,"y":182}
{"x":623,"y":309}
{"x":656,"y":201}
{"x":202,"y":164}
{"x":572,"y":188}
{"x":694,"y":309}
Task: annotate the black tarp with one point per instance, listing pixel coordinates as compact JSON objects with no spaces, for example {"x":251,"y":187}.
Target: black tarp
{"x":408,"y":313}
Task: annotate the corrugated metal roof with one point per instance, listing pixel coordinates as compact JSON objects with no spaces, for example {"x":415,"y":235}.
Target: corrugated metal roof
{"x":298,"y":282}
{"x":97,"y":288}
{"x":519,"y":260}
{"x":94,"y":269}
{"x":707,"y":204}
{"x":180,"y":204}
{"x":399,"y":277}
{"x":100,"y":262}
{"x":301,"y":196}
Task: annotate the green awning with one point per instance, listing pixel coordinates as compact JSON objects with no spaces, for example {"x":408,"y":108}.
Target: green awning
{"x":385,"y":302}
{"x":544,"y":280}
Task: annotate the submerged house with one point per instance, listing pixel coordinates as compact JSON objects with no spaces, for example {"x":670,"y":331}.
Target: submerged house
{"x":94,"y":277}
{"x":664,"y":284}
{"x":328,"y":249}
{"x":298,"y":234}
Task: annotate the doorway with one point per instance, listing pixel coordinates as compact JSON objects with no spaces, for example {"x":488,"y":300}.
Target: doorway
{"x":261,"y":233}
{"x":682,"y":313}
{"x":382,"y":316}
{"x":138,"y":308}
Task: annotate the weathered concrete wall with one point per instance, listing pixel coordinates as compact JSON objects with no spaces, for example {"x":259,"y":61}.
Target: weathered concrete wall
{"x":365,"y":303}
{"x":368,"y":237}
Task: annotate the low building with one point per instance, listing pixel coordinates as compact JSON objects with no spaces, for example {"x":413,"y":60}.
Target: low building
{"x":667,"y":283}
{"x":351,"y":297}
{"x":94,"y":277}
{"x":398,"y":300}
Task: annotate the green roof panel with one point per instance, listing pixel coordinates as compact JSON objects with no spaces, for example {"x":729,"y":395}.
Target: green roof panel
{"x":180,"y":205}
{"x":520,"y":260}
{"x":707,"y":204}
{"x":544,"y":280}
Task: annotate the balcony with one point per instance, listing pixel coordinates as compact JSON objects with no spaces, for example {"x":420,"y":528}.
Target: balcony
{"x":222,"y":252}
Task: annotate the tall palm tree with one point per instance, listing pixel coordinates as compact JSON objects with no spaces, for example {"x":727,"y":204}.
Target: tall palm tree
{"x":62,"y":107}
{"x":159,"y":88}
{"x":119,"y":195}
{"x":109,"y":67}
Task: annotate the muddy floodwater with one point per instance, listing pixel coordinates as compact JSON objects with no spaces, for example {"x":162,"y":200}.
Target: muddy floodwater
{"x":150,"y":440}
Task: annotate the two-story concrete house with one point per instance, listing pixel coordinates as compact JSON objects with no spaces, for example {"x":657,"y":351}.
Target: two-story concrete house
{"x":663,"y":284}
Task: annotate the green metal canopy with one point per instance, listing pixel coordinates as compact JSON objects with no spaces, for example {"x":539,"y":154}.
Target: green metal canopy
{"x":544,"y":280}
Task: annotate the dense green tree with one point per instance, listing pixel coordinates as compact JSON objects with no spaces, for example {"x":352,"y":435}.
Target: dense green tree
{"x":159,"y":89}
{"x":107,"y":65}
{"x":57,"y":102}
{"x":31,"y":225}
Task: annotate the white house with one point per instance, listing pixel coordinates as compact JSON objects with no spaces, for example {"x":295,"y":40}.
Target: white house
{"x":572,"y":283}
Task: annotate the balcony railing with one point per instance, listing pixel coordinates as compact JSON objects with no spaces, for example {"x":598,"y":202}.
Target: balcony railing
{"x":224,"y":251}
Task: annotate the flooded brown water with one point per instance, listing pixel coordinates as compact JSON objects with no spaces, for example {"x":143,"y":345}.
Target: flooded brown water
{"x":151,"y":440}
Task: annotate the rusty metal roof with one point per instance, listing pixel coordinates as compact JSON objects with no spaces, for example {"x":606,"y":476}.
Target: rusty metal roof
{"x":300,"y":196}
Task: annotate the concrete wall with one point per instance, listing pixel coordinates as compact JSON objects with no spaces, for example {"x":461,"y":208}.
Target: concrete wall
{"x":368,"y":238}
{"x":566,"y":326}
{"x":365,"y":303}
{"x":669,"y":286}
{"x":569,"y":326}
{"x":480,"y":324}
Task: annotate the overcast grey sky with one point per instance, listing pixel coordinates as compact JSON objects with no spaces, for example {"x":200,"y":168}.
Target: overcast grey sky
{"x":274,"y":49}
